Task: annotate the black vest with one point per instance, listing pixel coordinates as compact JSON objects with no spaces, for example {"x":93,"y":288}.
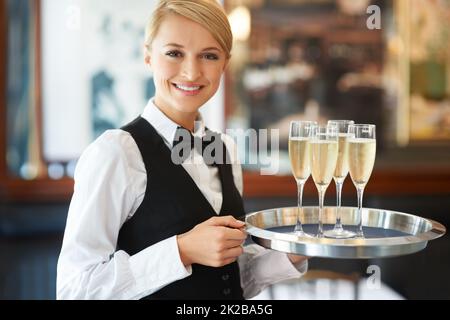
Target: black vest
{"x":173,"y":204}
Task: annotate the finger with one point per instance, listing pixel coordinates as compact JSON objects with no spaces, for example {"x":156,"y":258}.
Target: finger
{"x":234,"y":234}
{"x":234,"y":243}
{"x":228,"y":221}
{"x":232,"y":222}
{"x":243,"y":229}
{"x":233,"y":252}
{"x":228,"y":261}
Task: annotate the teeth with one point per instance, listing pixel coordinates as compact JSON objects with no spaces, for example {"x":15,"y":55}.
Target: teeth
{"x":187,"y":88}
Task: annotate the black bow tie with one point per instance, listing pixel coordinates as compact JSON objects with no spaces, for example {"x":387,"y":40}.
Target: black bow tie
{"x":184,"y":140}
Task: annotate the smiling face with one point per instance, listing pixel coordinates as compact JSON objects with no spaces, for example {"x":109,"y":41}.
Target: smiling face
{"x":187,"y":64}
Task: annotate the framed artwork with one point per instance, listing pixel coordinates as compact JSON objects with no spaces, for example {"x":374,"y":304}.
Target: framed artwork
{"x":93,"y":72}
{"x":424,"y":29}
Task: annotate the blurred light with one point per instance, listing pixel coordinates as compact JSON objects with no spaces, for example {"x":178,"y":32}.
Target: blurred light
{"x":396,"y":46}
{"x":353,"y":7}
{"x":28,"y":171}
{"x":70,"y":168}
{"x":240,"y":21}
{"x":56,"y":171}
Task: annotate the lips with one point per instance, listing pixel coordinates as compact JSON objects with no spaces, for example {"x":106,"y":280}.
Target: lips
{"x":188,"y":89}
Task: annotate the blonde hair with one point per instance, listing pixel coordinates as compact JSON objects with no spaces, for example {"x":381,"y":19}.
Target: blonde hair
{"x":208,"y":13}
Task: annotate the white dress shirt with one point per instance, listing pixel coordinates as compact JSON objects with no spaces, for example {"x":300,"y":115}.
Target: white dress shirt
{"x":110,"y":183}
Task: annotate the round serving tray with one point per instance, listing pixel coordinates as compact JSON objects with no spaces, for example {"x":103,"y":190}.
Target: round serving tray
{"x":387,"y":233}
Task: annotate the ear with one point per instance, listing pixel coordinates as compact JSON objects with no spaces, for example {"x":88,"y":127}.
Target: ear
{"x":148,"y":60}
{"x":147,"y":57}
{"x":227,"y":61}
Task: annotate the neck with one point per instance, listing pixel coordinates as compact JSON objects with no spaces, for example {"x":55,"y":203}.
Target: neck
{"x":183,"y":119}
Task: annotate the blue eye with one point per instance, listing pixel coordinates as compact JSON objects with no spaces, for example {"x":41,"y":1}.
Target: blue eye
{"x":211,"y":56}
{"x":174,"y":54}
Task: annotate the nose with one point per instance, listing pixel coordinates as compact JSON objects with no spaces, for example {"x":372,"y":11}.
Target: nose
{"x":191,"y":69}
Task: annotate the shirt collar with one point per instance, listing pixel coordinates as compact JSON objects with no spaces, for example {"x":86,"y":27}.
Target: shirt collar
{"x":165,"y":126}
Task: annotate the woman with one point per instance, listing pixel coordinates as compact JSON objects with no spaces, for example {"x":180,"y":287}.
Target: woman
{"x":141,"y":226}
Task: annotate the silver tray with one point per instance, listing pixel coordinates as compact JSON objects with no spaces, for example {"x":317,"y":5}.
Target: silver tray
{"x":387,"y":233}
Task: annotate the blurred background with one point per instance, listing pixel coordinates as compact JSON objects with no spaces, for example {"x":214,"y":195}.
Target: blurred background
{"x":71,"y":69}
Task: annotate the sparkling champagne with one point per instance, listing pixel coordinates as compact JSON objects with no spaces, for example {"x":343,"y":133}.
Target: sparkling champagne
{"x":324,"y":155}
{"x":362,"y":153}
{"x":342,"y":161}
{"x":299,"y":150}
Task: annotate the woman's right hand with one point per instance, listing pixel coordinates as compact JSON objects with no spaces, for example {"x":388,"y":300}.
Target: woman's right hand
{"x":215,"y":242}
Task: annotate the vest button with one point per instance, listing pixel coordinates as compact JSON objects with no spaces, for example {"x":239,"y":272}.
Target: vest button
{"x":225,"y":277}
{"x":227,"y":291}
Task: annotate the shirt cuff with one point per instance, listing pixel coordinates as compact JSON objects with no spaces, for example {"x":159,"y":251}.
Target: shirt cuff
{"x":157,"y":266}
{"x":261,"y":268}
{"x":285,"y":268}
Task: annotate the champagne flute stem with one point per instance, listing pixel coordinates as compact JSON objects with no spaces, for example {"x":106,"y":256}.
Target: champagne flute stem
{"x":338,"y":225}
{"x":359,"y":232}
{"x":321,"y":196}
{"x":298,"y":226}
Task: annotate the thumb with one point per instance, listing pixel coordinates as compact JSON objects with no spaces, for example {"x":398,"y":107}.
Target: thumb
{"x":228,"y":221}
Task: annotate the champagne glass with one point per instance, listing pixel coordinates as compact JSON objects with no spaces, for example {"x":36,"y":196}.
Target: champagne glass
{"x":324,"y":154}
{"x":299,"y":150}
{"x":339,"y":176}
{"x":362,"y":151}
